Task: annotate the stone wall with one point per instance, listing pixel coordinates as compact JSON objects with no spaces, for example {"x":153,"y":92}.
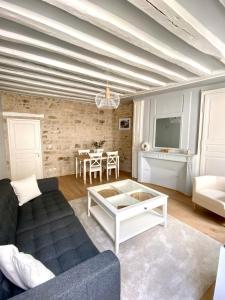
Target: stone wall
{"x":69,"y":125}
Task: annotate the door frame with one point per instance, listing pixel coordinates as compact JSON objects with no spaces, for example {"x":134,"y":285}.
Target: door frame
{"x":9,"y":141}
{"x":202,"y":117}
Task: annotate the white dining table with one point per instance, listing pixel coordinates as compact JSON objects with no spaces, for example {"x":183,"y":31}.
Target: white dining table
{"x":85,"y":159}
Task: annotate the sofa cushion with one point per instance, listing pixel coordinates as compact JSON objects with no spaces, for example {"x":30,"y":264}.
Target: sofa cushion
{"x":22,"y":269}
{"x":59,"y":245}
{"x":7,"y":288}
{"x":8,"y":213}
{"x":26,"y":189}
{"x":43,"y":209}
{"x":47,"y":185}
{"x":8,"y":222}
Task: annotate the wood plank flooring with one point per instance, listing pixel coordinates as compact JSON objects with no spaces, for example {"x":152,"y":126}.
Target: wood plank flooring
{"x":179,"y":206}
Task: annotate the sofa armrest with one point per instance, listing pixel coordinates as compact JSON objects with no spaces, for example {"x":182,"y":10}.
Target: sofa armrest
{"x":94,"y":279}
{"x":48,"y":184}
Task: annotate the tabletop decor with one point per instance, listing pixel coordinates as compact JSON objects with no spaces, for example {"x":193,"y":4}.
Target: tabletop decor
{"x":99,"y":144}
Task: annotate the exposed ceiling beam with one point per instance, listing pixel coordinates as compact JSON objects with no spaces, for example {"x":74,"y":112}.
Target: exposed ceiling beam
{"x":196,"y":82}
{"x":36,"y":93}
{"x":47,"y":85}
{"x":20,"y":52}
{"x":21,"y":35}
{"x":46,"y":78}
{"x":129,"y":30}
{"x":163,"y":13}
{"x":5,"y":83}
{"x":80,"y":33}
{"x":15,"y":63}
{"x":71,"y":48}
{"x":180,"y":21}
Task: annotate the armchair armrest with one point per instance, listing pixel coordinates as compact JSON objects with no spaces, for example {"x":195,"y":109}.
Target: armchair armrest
{"x":48,"y":184}
{"x":94,"y":279}
{"x":202,"y":182}
{"x":208,"y":182}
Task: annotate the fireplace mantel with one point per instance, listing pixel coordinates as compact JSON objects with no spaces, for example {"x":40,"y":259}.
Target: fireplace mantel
{"x":173,"y":170}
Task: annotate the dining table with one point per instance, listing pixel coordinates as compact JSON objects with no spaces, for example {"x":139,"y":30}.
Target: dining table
{"x":85,"y":159}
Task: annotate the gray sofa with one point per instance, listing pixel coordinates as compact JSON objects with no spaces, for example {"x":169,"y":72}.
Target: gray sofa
{"x":47,"y":228}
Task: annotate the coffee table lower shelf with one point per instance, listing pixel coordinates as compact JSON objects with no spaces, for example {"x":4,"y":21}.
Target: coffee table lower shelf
{"x":127,"y":228}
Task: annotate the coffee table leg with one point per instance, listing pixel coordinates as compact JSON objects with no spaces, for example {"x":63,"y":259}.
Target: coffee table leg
{"x":165,"y":214}
{"x":117,"y":235}
{"x":89,"y":204}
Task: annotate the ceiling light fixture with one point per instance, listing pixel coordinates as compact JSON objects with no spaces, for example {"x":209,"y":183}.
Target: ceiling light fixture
{"x":107,"y":99}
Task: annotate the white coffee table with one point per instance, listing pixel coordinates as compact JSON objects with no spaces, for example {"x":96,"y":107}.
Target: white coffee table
{"x":126,"y":208}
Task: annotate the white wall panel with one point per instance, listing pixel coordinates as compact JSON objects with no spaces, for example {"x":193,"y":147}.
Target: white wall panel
{"x":2,"y":147}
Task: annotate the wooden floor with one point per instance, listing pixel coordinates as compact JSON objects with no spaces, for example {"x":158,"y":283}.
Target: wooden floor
{"x":179,"y":206}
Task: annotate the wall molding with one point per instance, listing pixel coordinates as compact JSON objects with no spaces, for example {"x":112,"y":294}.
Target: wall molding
{"x":10,"y":114}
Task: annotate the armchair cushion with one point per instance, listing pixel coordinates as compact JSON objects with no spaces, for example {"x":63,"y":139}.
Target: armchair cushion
{"x":213,"y":194}
{"x":209,"y":192}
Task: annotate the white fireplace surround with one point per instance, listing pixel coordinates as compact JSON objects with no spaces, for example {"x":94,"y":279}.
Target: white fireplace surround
{"x":176,"y":168}
{"x":172,"y":170}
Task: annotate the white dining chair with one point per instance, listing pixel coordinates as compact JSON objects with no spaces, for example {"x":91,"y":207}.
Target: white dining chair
{"x":99,"y":150}
{"x":112,"y":163}
{"x":82,"y":152}
{"x":95,"y":165}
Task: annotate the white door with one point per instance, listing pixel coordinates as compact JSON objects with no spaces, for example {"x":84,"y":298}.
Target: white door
{"x":25,"y":148}
{"x":212,"y":145}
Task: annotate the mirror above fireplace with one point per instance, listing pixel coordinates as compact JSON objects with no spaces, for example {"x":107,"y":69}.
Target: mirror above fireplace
{"x":168,"y":132}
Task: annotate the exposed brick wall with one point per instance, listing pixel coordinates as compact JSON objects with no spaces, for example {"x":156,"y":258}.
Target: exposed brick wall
{"x":68,"y":126}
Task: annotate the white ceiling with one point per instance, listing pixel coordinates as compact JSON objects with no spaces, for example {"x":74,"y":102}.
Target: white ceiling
{"x":70,"y":48}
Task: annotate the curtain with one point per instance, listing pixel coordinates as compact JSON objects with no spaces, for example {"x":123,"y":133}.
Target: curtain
{"x":138,"y":119}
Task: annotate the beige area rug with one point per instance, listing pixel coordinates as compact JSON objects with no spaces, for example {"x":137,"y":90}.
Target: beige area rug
{"x":173,"y":263}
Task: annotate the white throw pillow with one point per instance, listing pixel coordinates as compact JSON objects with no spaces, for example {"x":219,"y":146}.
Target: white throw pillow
{"x":22,"y":269}
{"x":26,"y":189}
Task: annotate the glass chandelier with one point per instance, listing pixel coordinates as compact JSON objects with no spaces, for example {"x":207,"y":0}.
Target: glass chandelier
{"x":107,"y":99}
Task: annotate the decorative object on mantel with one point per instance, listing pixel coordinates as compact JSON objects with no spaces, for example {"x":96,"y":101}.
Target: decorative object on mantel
{"x":124,"y":124}
{"x":99,"y":144}
{"x":107,"y":99}
{"x":145,"y":146}
{"x":164,"y":150}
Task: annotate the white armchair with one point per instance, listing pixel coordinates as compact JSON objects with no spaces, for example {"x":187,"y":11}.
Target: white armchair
{"x":209,"y":192}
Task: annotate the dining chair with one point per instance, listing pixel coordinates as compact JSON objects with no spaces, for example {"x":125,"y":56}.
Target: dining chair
{"x":95,"y":165}
{"x":82,"y":152}
{"x":112,"y":163}
{"x":99,"y":150}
